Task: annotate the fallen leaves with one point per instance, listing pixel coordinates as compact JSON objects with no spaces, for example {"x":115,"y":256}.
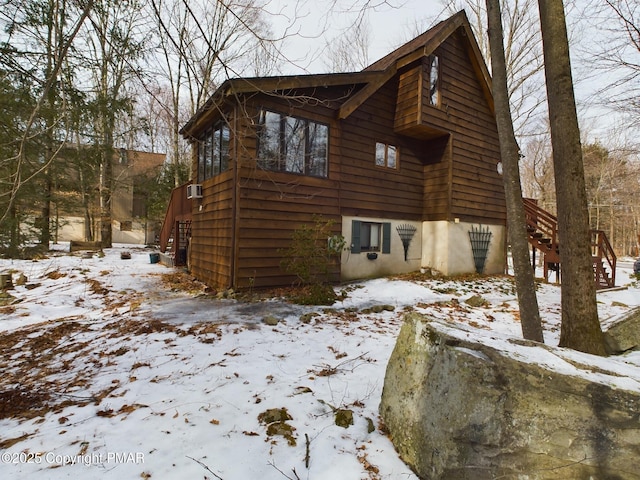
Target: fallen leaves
{"x":96,"y":287}
{"x":55,"y":275}
{"x":183,"y":282}
{"x":23,"y":402}
{"x":9,"y":442}
{"x":372,"y":470}
{"x":55,"y":364}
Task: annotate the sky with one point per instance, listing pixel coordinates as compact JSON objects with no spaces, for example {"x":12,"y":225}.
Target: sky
{"x":392,"y":25}
{"x":123,"y":368}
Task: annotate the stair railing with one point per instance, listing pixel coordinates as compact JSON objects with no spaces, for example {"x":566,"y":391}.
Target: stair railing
{"x":602,"y":249}
{"x":540,"y":220}
{"x":179,"y":209}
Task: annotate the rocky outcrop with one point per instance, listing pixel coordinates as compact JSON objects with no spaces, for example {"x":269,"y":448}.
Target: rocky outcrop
{"x":623,"y":333}
{"x":461,"y":405}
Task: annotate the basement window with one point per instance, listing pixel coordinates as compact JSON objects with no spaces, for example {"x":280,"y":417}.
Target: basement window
{"x":370,"y":237}
{"x":292,"y":144}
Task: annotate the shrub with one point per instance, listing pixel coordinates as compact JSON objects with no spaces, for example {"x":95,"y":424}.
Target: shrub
{"x":313,"y":254}
{"x":315,"y":294}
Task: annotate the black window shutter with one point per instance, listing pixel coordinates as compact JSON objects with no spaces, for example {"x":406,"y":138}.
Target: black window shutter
{"x":386,"y":237}
{"x":355,"y":236}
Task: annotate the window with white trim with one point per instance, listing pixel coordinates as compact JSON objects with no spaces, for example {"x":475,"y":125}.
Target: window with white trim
{"x":386,"y":155}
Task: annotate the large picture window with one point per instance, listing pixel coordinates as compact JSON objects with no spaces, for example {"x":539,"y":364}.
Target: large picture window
{"x":291,"y":144}
{"x":213,"y":152}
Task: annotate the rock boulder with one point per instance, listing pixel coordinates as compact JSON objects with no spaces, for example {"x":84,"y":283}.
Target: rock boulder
{"x":461,"y":405}
{"x":624,"y":333}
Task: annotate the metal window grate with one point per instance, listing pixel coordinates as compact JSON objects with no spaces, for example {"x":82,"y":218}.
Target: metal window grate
{"x":406,"y":233}
{"x":480,"y":240}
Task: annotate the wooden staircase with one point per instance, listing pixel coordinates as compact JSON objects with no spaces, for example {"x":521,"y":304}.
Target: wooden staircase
{"x":542,"y":227}
{"x":176,"y":228}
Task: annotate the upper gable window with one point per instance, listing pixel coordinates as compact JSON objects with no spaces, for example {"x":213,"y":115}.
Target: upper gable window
{"x":213,"y":152}
{"x":291,"y":144}
{"x":386,"y":155}
{"x":434,"y":80}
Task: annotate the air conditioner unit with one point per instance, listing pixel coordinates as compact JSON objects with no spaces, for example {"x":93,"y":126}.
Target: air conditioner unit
{"x":194,"y":191}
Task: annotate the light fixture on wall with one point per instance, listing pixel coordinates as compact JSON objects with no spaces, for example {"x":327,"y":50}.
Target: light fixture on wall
{"x":406,"y":233}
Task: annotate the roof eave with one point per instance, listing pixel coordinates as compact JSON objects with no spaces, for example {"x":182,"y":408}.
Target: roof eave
{"x":239,"y":86}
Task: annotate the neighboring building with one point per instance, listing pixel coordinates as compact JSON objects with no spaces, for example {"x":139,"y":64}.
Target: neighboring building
{"x":408,"y":143}
{"x":132,"y":171}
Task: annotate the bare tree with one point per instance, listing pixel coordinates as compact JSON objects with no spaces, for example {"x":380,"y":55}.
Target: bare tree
{"x":112,"y":47}
{"x":523,"y":56}
{"x":537,"y":172}
{"x":349,"y":52}
{"x":510,"y":155}
{"x":580,"y":326}
{"x":172,"y":22}
{"x":615,"y":61}
{"x":40,"y":37}
{"x":217,"y":41}
{"x":612,"y":182}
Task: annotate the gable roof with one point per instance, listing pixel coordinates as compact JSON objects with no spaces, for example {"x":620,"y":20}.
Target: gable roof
{"x":373,"y":77}
{"x":423,"y":45}
{"x":236,"y":86}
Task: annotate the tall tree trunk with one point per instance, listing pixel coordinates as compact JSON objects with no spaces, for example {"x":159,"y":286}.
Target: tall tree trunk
{"x":106,"y":174}
{"x":175,"y":143}
{"x":50,"y":120}
{"x":86,"y":207}
{"x":510,"y":154}
{"x":14,"y":223}
{"x":45,"y":211}
{"x":580,"y":326}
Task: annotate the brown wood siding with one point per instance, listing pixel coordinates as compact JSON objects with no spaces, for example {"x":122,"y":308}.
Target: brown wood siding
{"x":437,"y":174}
{"x":271,"y":205}
{"x":211,"y":242}
{"x":477,"y":192}
{"x":446,"y":169}
{"x":368,"y":190}
{"x":477,"y":188}
{"x":408,"y":107}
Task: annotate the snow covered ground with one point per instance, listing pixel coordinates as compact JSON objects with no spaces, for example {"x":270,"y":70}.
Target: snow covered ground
{"x":111,"y":371}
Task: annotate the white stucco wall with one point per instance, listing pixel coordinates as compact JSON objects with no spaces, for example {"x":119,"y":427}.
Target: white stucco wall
{"x":447,"y":248}
{"x":443,"y":246}
{"x":72,"y":228}
{"x":357,"y":265}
